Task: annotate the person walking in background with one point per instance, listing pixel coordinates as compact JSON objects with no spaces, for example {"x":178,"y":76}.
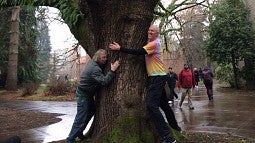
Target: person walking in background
{"x":91,"y":80}
{"x":186,"y":82}
{"x":196,"y":75}
{"x":200,"y":74}
{"x":156,"y":81}
{"x":208,"y":82}
{"x":171,"y":82}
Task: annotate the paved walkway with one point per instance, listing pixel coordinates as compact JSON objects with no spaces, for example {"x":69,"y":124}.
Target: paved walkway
{"x":230,"y":113}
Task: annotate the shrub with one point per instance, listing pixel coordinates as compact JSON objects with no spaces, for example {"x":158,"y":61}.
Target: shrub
{"x":29,"y":88}
{"x":224,"y":74}
{"x":60,"y":87}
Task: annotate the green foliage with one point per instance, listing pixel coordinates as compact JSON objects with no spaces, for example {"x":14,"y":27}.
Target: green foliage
{"x":231,"y":36}
{"x":231,"y":33}
{"x":69,"y":8}
{"x":27,"y":65}
{"x":69,"y":11}
{"x":248,"y":73}
{"x":224,"y":74}
{"x":43,"y":46}
{"x":4,"y":44}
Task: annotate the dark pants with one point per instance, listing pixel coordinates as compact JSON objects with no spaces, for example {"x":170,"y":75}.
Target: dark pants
{"x":168,"y":112}
{"x":85,"y":111}
{"x":209,"y":91}
{"x":196,"y":81}
{"x":172,"y":93}
{"x":156,"y":85}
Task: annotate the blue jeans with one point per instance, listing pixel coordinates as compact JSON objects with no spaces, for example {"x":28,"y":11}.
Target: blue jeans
{"x":156,"y":84}
{"x":85,"y":111}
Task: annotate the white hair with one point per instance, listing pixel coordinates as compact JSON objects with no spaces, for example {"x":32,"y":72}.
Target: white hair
{"x":98,"y":53}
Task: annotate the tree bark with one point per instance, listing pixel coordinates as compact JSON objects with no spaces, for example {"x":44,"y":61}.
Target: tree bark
{"x":11,"y":82}
{"x":121,"y":115}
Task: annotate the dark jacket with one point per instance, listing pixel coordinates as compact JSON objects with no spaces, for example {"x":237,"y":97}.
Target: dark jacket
{"x":207,"y":75}
{"x":171,"y":79}
{"x":93,"y":78}
{"x":196,"y":74}
{"x":186,"y":79}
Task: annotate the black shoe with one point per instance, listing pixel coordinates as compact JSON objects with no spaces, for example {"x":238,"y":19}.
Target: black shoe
{"x":81,"y":137}
{"x":178,"y":129}
{"x":169,"y":142}
{"x":168,"y":139}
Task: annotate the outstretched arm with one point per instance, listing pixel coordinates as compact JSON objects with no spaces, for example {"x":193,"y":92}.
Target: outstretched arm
{"x":116,"y":46}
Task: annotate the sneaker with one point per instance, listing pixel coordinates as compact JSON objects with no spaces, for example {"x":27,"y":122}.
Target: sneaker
{"x":169,"y":142}
{"x":170,"y":102}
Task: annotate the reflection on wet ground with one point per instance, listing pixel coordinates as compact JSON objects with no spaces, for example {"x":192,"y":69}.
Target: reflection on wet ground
{"x":230,"y":113}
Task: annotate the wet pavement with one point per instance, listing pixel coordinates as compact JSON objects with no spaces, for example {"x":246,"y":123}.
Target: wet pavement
{"x":230,"y":113}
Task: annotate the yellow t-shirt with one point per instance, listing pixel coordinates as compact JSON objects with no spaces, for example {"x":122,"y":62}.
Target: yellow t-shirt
{"x":154,"y":59}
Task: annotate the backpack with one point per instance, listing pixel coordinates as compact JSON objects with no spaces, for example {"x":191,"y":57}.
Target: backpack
{"x":207,"y":75}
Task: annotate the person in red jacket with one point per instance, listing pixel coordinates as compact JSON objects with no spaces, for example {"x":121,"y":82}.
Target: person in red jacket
{"x":186,"y":82}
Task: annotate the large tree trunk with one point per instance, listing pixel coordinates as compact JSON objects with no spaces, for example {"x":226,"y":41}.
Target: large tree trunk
{"x":121,"y":114}
{"x":11,"y":82}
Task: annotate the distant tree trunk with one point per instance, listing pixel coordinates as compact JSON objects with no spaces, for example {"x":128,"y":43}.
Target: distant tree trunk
{"x":235,"y":70}
{"x":250,"y":66}
{"x":11,"y":82}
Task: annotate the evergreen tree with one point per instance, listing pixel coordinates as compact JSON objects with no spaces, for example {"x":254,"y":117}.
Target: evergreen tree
{"x":43,"y":46}
{"x":231,"y":35}
{"x":4,"y":43}
{"x":28,"y":50}
{"x":27,"y":58}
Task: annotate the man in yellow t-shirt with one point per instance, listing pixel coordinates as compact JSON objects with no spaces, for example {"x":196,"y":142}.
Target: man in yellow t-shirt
{"x":156,"y":83}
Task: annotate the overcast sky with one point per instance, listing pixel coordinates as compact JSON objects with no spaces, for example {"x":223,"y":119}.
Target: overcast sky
{"x":60,"y":35}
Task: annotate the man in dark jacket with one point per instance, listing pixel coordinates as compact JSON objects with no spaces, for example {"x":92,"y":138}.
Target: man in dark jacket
{"x":196,"y":75}
{"x":186,"y":82}
{"x":171,"y":82}
{"x":91,"y":80}
{"x":208,"y":82}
